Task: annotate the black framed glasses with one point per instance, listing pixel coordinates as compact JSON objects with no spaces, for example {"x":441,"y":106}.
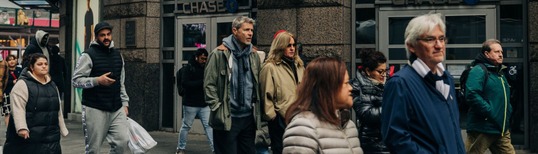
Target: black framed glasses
{"x":381,"y":71}
{"x":433,"y":40}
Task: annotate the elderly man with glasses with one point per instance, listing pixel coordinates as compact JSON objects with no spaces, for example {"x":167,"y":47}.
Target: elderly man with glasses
{"x":420,"y":112}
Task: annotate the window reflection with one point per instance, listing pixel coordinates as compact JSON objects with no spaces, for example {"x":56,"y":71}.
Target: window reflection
{"x":365,"y":26}
{"x":466,"y":29}
{"x":194,"y":34}
{"x":461,"y":53}
{"x":512,"y":52}
{"x":397,"y":27}
{"x":511,"y":24}
{"x":224,"y":29}
{"x":397,"y":54}
{"x":7,"y":17}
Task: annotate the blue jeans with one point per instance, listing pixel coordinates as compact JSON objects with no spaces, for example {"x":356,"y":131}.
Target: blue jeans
{"x":189,"y":113}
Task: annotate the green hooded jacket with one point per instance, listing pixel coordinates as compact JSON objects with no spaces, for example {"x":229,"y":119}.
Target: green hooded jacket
{"x":490,"y":107}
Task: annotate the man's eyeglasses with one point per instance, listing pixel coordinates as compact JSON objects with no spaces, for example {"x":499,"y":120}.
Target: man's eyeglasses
{"x":433,"y":40}
{"x":289,"y":45}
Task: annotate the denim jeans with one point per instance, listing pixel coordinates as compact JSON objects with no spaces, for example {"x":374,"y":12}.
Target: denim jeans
{"x":189,"y":113}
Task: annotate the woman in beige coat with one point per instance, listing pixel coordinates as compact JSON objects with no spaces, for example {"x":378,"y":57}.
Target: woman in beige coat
{"x":319,"y":120}
{"x":279,"y":77}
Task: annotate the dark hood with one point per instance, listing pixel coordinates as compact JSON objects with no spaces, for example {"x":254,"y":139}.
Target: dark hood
{"x":193,"y":62}
{"x":481,"y":58}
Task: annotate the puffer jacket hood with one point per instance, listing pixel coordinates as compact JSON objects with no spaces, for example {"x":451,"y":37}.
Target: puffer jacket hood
{"x":26,"y":74}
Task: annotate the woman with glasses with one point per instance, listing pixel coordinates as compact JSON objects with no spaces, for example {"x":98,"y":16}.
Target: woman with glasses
{"x":279,"y":77}
{"x":367,"y":98}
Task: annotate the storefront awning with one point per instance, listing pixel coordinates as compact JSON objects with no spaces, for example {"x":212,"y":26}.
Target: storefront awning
{"x":52,"y":5}
{"x":8,"y":4}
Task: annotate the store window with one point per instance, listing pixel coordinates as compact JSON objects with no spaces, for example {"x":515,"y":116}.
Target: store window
{"x":511,"y":24}
{"x":466,"y":29}
{"x":194,"y":34}
{"x":7,"y":16}
{"x":397,"y":27}
{"x":365,"y":26}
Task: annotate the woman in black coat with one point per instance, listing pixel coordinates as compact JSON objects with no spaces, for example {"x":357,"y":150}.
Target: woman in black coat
{"x":367,"y":98}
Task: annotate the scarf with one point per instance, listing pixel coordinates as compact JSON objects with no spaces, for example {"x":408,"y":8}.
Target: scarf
{"x":291,"y":62}
{"x":242,"y":57}
{"x":436,"y":79}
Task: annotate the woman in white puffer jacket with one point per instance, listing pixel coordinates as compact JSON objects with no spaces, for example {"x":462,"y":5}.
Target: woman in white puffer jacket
{"x":319,"y":120}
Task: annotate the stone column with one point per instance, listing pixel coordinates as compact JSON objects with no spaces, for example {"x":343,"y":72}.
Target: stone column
{"x":141,"y":60}
{"x":322,"y":26}
{"x":533,"y":74}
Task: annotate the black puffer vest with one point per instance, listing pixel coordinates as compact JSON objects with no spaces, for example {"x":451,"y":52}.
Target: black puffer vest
{"x":41,"y":113}
{"x":104,"y":60}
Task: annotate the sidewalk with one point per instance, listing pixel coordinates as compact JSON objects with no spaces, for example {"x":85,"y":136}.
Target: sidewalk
{"x":166,"y":141}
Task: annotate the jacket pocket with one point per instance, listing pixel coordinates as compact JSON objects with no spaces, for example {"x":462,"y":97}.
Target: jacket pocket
{"x":217,"y":116}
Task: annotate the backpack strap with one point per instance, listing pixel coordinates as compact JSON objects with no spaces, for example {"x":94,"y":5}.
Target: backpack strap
{"x":486,"y":74}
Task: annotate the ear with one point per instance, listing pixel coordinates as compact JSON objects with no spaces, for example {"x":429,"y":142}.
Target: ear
{"x":234,"y":30}
{"x":410,"y":47}
{"x":367,"y":71}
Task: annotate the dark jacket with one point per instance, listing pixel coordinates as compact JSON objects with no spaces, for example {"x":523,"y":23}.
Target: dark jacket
{"x":417,"y":118}
{"x":193,"y":84}
{"x":34,"y":47}
{"x":41,"y":118}
{"x":367,"y":99}
{"x":12,"y":75}
{"x":104,"y":60}
{"x":57,"y":68}
{"x":490,"y":109}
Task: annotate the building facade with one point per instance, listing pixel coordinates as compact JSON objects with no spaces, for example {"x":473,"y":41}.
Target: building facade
{"x":156,"y":37}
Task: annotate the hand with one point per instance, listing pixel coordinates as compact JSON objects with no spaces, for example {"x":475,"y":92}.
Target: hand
{"x":14,"y":81}
{"x":126,"y":110}
{"x":24,"y":133}
{"x":105,"y":80}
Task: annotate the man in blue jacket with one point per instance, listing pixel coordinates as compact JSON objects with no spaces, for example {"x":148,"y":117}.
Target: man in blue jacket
{"x":420,"y":112}
{"x":488,"y":119}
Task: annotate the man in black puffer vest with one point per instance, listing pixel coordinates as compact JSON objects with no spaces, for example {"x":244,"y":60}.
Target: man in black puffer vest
{"x":101,"y":74}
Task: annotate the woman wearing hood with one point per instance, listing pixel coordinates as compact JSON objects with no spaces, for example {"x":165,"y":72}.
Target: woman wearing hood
{"x":368,"y":88}
{"x":36,"y":123}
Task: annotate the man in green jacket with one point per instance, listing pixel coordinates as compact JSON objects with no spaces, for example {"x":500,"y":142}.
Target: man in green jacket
{"x":231,"y":90}
{"x":489,"y":101}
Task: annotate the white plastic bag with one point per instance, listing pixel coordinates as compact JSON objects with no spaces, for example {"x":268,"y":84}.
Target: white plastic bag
{"x":140,"y":141}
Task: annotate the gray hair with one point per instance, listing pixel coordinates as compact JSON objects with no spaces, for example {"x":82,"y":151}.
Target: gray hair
{"x":237,"y":22}
{"x":422,"y":24}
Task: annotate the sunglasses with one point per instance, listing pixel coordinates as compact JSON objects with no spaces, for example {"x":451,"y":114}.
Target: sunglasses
{"x":289,"y":45}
